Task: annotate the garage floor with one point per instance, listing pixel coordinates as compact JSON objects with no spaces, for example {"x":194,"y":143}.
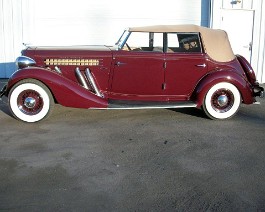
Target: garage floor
{"x":135,"y":160}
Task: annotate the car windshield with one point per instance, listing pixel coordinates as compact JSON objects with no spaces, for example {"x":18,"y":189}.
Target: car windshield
{"x":122,"y":39}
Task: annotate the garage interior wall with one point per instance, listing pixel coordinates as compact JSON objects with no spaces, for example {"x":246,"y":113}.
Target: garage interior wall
{"x":258,"y":31}
{"x":10,"y":35}
{"x":82,"y":22}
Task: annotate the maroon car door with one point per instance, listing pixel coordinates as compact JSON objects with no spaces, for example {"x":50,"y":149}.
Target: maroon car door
{"x":185,"y":65}
{"x":138,"y":74}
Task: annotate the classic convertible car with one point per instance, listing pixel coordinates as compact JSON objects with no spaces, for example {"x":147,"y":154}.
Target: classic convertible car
{"x":149,"y":67}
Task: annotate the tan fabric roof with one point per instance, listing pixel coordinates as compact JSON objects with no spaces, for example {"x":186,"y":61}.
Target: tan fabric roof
{"x":216,"y":42}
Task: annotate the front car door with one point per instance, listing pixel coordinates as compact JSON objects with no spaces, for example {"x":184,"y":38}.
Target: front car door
{"x":186,"y":64}
{"x":138,"y":72}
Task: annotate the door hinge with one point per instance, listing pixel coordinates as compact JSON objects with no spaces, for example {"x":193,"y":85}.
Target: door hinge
{"x":165,"y":65}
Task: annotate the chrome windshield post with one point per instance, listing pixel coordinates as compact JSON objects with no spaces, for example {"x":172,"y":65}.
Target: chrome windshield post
{"x":124,"y":37}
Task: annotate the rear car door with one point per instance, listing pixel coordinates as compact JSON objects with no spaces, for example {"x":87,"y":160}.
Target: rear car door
{"x":186,"y":64}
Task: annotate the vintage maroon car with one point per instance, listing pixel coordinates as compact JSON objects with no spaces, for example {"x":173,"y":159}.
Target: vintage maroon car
{"x":149,"y":67}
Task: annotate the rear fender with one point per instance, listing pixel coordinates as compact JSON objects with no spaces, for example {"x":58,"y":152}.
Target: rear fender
{"x":230,"y":76}
{"x":65,"y":91}
{"x":247,"y":69}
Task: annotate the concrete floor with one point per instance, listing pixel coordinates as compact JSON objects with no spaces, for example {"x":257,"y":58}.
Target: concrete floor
{"x":143,"y":160}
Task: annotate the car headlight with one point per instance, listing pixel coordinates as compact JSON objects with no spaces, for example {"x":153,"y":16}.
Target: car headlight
{"x":23,"y":62}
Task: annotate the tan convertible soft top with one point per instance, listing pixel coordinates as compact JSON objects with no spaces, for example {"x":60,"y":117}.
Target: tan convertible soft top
{"x":216,"y":42}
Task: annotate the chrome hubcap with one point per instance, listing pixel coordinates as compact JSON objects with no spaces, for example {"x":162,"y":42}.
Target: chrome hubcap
{"x":30,"y":102}
{"x":222,"y":100}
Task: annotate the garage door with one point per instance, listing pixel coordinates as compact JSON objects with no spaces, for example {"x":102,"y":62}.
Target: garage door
{"x":240,"y":37}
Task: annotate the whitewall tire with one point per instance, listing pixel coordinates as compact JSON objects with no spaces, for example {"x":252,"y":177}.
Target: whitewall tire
{"x":30,"y":100}
{"x":222,"y":101}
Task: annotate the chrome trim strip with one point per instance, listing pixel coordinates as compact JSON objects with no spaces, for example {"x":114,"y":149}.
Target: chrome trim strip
{"x":80,"y":78}
{"x":71,"y":62}
{"x":92,"y":82}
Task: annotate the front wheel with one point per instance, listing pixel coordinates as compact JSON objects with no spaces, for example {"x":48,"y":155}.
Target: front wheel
{"x":222,"y":101}
{"x":30,"y":100}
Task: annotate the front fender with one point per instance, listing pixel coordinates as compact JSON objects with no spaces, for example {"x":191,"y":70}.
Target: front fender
{"x":230,"y":76}
{"x":65,"y":91}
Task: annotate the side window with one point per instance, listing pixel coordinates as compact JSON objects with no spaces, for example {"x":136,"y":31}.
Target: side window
{"x":157,"y":42}
{"x":184,"y":42}
{"x":144,"y":41}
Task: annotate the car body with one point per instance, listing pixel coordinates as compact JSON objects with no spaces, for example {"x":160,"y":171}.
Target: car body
{"x":168,"y":66}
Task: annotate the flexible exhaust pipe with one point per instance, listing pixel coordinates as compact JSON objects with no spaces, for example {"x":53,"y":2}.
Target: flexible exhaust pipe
{"x":92,"y":82}
{"x":81,"y":78}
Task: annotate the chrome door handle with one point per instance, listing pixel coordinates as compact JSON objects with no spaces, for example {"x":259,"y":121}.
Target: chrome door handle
{"x":201,"y":65}
{"x":119,"y":63}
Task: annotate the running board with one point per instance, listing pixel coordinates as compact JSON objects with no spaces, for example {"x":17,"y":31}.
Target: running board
{"x":118,"y":104}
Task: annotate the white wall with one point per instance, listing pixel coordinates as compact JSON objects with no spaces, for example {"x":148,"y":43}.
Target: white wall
{"x":75,"y":22}
{"x":10,"y":35}
{"x":102,"y":21}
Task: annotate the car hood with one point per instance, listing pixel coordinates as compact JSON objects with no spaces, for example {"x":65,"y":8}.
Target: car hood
{"x":46,"y":55}
{"x":69,"y":48}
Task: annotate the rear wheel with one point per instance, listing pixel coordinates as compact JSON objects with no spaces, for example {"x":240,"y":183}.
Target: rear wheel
{"x":30,"y":100}
{"x":222,"y":101}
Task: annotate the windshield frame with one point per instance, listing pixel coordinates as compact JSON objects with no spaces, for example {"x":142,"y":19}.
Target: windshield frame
{"x":122,"y":40}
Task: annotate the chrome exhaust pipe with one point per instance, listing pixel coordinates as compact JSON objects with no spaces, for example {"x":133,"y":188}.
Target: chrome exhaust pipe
{"x":92,"y":82}
{"x":81,"y":78}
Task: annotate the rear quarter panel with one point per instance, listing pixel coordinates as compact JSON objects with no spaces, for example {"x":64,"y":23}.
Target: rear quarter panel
{"x":223,"y":75}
